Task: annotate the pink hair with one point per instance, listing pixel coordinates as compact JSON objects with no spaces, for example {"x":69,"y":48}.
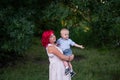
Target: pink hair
{"x":45,"y":37}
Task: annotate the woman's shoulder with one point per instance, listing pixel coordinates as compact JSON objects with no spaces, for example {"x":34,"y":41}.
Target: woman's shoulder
{"x":50,"y":47}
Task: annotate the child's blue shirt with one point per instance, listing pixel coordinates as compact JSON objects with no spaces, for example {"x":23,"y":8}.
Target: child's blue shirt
{"x":65,"y":43}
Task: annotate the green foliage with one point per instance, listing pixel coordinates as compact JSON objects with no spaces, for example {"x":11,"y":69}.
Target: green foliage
{"x":53,"y":15}
{"x":106,"y":22}
{"x":93,"y":22}
{"x":100,"y":18}
{"x":16,"y":32}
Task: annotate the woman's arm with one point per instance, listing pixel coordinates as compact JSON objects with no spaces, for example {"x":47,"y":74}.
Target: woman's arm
{"x":54,"y":50}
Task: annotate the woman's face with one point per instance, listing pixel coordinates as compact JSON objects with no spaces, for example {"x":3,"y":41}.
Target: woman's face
{"x":52,"y":38}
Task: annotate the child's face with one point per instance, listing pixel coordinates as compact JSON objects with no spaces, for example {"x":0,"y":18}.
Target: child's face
{"x":65,"y":34}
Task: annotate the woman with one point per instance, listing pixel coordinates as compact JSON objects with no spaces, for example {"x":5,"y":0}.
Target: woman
{"x":56,"y":57}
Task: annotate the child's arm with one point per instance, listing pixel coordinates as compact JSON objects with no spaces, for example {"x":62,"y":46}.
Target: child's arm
{"x":79,"y":46}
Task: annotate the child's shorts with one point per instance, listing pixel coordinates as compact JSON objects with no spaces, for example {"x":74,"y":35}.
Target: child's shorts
{"x":67,"y":52}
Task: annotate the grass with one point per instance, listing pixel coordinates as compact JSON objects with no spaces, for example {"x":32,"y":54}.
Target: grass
{"x":97,"y":65}
{"x":89,"y":64}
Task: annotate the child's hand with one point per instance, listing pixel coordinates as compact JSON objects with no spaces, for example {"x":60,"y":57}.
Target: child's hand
{"x":81,"y":46}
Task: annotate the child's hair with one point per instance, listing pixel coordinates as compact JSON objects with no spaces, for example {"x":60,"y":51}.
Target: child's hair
{"x":45,"y":37}
{"x":63,"y":29}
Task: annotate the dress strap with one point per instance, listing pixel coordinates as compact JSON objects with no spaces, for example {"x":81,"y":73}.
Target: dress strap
{"x":48,"y":45}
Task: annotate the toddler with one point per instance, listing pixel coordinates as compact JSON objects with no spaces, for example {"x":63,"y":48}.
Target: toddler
{"x":64,"y":43}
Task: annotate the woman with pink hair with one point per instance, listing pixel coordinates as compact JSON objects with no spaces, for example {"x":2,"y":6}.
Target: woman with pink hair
{"x":56,"y":57}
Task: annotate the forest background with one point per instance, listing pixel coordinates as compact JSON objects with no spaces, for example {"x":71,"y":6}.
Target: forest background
{"x":93,"y":23}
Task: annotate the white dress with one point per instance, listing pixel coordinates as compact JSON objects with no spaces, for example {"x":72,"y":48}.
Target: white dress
{"x":56,"y":67}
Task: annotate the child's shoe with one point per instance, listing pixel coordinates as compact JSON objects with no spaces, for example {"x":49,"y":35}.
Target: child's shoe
{"x":67,"y":71}
{"x":72,"y":73}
